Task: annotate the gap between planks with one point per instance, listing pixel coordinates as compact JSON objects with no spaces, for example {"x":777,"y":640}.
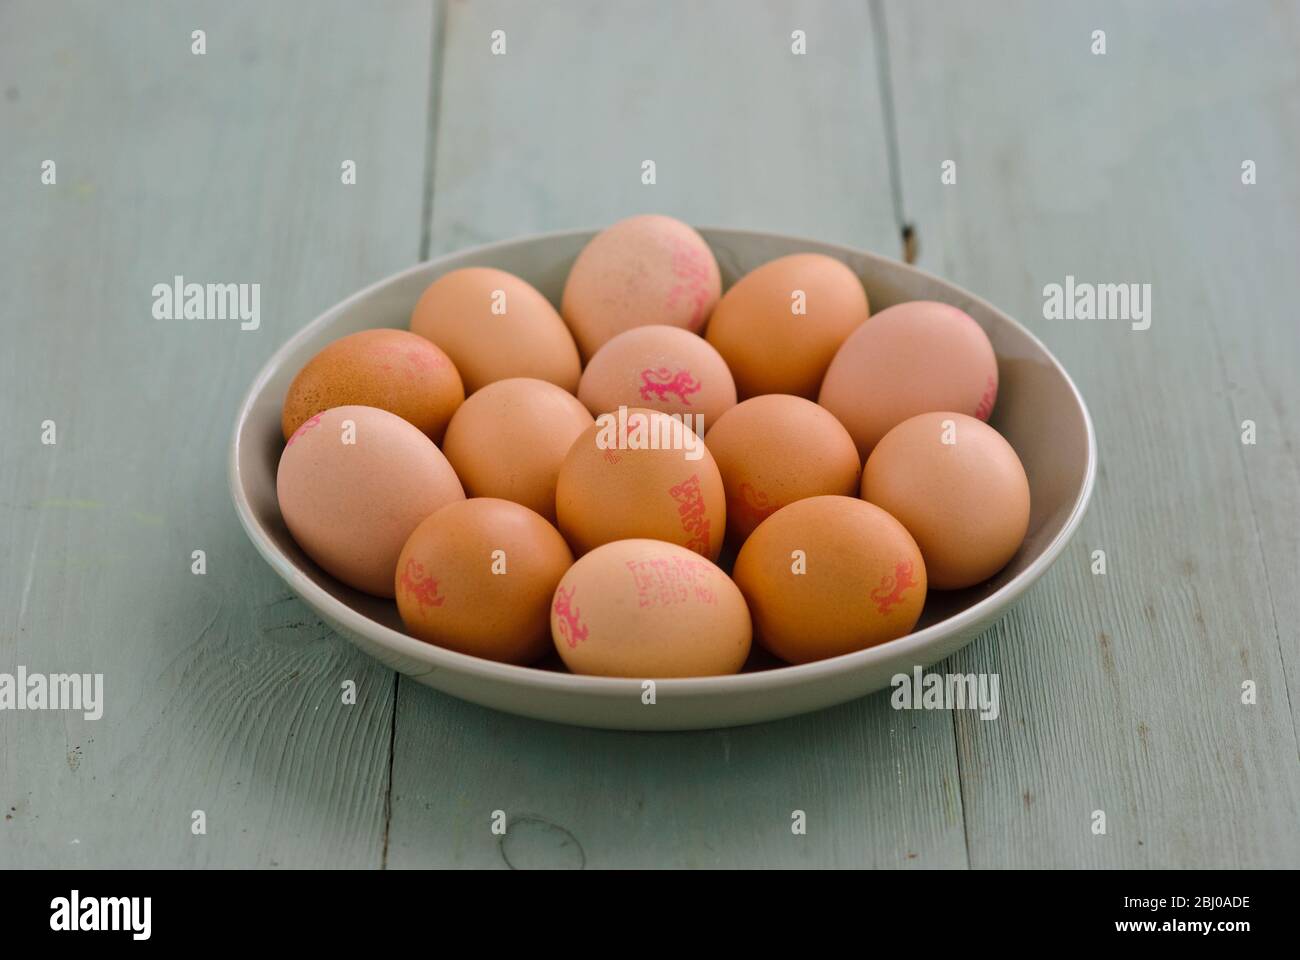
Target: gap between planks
{"x":910,"y":239}
{"x":907,"y":231}
{"x":437,"y":39}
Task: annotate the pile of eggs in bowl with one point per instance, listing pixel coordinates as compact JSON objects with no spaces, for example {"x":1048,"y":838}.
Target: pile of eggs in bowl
{"x":526,"y":482}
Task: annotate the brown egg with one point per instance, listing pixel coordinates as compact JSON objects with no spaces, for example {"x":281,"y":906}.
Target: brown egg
{"x":781,"y":323}
{"x":393,"y":370}
{"x":478,"y":576}
{"x":960,"y":490}
{"x":830,"y":575}
{"x":909,"y":359}
{"x":509,"y":439}
{"x":775,"y":449}
{"x":353,"y":483}
{"x":647,"y":609}
{"x":643,"y":270}
{"x":494,"y":326}
{"x":659,"y":368}
{"x":641,"y":473}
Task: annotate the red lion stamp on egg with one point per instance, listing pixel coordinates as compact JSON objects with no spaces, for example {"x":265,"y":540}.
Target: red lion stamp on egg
{"x":892,"y":587}
{"x":752,"y":506}
{"x":424,"y":588}
{"x":572,"y":629}
{"x":659,"y":383}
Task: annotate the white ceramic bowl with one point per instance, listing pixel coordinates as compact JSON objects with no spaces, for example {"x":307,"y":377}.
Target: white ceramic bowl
{"x":1038,"y":410}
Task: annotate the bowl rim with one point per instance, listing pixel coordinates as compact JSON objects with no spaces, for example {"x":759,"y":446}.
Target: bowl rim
{"x":439,"y":658}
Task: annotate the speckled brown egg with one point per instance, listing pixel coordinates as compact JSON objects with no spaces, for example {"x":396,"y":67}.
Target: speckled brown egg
{"x":478,"y":577}
{"x":509,"y":439}
{"x":960,"y":490}
{"x":495,"y":326}
{"x":641,"y":473}
{"x":830,"y":575}
{"x":353,"y":483}
{"x":775,"y":449}
{"x":779,"y":326}
{"x":644,"y":270}
{"x":908,"y":359}
{"x":393,"y":370}
{"x":659,"y":368}
{"x":648,"y":609}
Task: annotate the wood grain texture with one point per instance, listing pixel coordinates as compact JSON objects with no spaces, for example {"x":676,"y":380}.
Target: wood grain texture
{"x":1119,"y":692}
{"x":222,"y":692}
{"x":744,"y":134}
{"x":1122,"y":692}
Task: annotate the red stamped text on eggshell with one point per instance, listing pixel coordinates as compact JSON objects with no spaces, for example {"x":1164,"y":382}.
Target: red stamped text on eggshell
{"x":691,"y":510}
{"x":665,"y":581}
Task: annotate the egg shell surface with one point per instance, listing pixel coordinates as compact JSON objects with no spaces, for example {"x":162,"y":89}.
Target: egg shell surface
{"x":352,"y":505}
{"x":612,"y":487}
{"x":648,"y":609}
{"x":494,"y":326}
{"x":780,"y":325}
{"x":509,"y":439}
{"x":643,"y":270}
{"x":966,"y":502}
{"x":659,"y":368}
{"x":393,"y":370}
{"x":478,"y":576}
{"x":910,"y":358}
{"x":775,"y":449}
{"x":830,"y":575}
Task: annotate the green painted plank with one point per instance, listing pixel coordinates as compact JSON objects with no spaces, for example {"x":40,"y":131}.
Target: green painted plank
{"x":743,"y":134}
{"x":222,"y":693}
{"x":878,"y":789}
{"x":1122,"y":692}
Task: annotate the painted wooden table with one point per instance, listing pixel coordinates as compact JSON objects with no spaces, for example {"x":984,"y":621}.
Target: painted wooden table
{"x":1121,"y":691}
